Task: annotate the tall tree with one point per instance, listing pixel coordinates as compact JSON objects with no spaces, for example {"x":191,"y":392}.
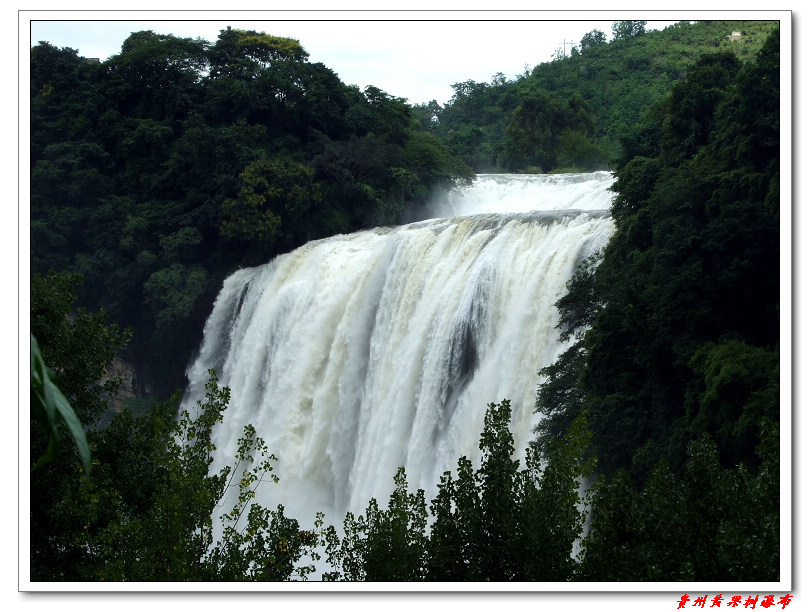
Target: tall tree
{"x":500,"y":522}
{"x":383,"y":545}
{"x":245,"y":53}
{"x":591,"y":39}
{"x":156,"y":75}
{"x":628,"y":29}
{"x":77,"y":347}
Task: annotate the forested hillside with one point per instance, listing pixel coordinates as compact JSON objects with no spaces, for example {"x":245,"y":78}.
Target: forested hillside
{"x":574,"y":111}
{"x":675,"y":354}
{"x":157,"y":172}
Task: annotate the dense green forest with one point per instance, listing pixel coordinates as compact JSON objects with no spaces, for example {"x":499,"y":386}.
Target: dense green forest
{"x":573,"y":112}
{"x":157,"y":172}
{"x":676,"y":332}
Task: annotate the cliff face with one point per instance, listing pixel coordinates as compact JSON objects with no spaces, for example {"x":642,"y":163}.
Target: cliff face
{"x":131,"y":387}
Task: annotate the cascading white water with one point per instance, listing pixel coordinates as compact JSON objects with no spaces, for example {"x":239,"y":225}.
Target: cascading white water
{"x":357,"y":354}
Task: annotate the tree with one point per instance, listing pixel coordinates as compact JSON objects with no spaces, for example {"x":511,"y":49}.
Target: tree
{"x":532,"y":134}
{"x":429,"y":165}
{"x":383,"y":545}
{"x":502,"y":523}
{"x":384,"y":115}
{"x":623,"y":30}
{"x":156,"y":75}
{"x":73,"y":173}
{"x":76,"y":349}
{"x":455,"y":534}
{"x":738,"y":387}
{"x":688,"y":526}
{"x":77,"y":345}
{"x":147,"y":473}
{"x":275,"y":195}
{"x":497,"y":478}
{"x":244,"y":53}
{"x":671,"y":281}
{"x":551,"y":509}
{"x":151,"y":143}
{"x":148,"y":509}
{"x":545,"y":127}
{"x":256,"y":543}
{"x":594,"y":38}
{"x":173,"y":292}
{"x":692,"y":106}
{"x":676,"y":349}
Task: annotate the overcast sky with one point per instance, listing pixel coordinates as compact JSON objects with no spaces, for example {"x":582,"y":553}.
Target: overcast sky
{"x":417,"y":56}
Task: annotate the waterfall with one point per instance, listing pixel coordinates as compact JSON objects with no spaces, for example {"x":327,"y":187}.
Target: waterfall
{"x":357,"y":354}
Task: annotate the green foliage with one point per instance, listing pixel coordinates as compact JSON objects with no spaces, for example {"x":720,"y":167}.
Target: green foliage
{"x":174,"y":291}
{"x":578,"y":307}
{"x":621,"y":81}
{"x":684,"y":305}
{"x":708,"y":523}
{"x":676,"y":342}
{"x":78,"y":346}
{"x":692,"y":105}
{"x":547,"y":131}
{"x":70,"y":386}
{"x":494,"y":523}
{"x":51,"y":408}
{"x":159,"y":171}
{"x":147,"y":510}
{"x":245,"y":53}
{"x":256,"y":543}
{"x":553,"y":508}
{"x":72,"y":173}
{"x":594,"y":38}
{"x":634,"y":186}
{"x":496,"y":479}
{"x":501,"y":523}
{"x":456,"y":534}
{"x":627,"y":29}
{"x":273,"y":194}
{"x":429,"y":164}
{"x":578,"y":153}
{"x":174,"y":134}
{"x":560,"y":397}
{"x":740,"y":387}
{"x":155,"y":75}
{"x":383,"y":545}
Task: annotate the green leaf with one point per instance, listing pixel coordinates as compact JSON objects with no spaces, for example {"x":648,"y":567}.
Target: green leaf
{"x":50,"y":405}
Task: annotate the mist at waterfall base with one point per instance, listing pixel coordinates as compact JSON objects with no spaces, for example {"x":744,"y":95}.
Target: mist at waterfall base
{"x":357,"y":354}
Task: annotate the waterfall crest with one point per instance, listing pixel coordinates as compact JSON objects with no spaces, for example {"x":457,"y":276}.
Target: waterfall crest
{"x":360,"y":353}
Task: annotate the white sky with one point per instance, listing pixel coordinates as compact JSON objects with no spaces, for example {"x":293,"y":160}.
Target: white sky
{"x":415,"y":55}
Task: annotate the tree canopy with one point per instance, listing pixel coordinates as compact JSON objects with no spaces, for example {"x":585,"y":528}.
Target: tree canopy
{"x":618,"y":82}
{"x":674,"y":335}
{"x":159,"y":171}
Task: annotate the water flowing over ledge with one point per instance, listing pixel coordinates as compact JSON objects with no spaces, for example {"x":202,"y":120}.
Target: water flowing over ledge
{"x":357,"y":354}
{"x":504,"y":193}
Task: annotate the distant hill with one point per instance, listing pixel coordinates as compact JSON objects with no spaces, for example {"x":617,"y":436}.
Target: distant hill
{"x":572,"y":112}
